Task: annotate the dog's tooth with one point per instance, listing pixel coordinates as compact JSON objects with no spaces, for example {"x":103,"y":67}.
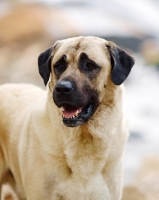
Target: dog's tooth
{"x":76,"y":113}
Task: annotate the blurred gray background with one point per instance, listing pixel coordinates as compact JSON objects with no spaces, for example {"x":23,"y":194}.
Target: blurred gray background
{"x":28,"y":27}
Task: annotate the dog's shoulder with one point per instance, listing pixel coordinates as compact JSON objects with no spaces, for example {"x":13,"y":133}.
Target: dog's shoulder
{"x":14,"y":97}
{"x":19,"y":90}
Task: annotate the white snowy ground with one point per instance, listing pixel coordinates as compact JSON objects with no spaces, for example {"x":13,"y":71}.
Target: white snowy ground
{"x":142,"y":109}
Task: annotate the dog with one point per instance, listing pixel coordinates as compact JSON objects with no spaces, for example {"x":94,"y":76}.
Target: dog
{"x":67,"y":142}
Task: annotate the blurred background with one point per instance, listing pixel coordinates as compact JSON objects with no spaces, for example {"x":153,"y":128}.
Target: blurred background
{"x":28,"y":27}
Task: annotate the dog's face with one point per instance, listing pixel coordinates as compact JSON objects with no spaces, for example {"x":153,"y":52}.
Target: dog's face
{"x":80,"y":70}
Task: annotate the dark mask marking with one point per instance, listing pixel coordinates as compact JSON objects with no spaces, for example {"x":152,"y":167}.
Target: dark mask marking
{"x":88,"y":66}
{"x":60,"y":66}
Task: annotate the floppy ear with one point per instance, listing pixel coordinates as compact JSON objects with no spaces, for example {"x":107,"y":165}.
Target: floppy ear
{"x":44,"y":63}
{"x":121,"y":64}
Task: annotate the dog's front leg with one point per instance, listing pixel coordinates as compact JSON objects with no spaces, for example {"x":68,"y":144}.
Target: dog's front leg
{"x":113,"y":175}
{"x":10,"y":190}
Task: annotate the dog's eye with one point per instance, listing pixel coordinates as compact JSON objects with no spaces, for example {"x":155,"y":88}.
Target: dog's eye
{"x":59,"y":69}
{"x":60,"y":66}
{"x":86,"y":64}
{"x":90,"y":66}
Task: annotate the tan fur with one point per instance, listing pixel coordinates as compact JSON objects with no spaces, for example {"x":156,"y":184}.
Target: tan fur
{"x":54,"y":162}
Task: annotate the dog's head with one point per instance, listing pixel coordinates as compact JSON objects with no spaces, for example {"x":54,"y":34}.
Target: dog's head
{"x":79,"y":70}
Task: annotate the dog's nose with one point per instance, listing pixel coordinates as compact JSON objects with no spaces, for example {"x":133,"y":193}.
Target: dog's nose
{"x":64,"y":87}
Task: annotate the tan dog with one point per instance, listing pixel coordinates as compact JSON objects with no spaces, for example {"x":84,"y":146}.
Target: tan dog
{"x":67,"y":143}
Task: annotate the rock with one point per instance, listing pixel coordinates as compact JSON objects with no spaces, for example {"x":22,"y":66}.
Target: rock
{"x":22,"y":25}
{"x":145,"y":185}
{"x":27,"y":23}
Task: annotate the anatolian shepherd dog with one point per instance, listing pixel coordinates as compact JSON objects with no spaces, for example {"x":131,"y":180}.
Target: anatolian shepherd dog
{"x":67,"y":143}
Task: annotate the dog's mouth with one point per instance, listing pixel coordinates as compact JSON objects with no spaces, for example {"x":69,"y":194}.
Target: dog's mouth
{"x":74,"y":116}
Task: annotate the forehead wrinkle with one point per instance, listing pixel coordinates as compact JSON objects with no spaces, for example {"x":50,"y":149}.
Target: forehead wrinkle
{"x":69,"y":49}
{"x":92,"y":57}
{"x":97,"y":53}
{"x":71,"y":44}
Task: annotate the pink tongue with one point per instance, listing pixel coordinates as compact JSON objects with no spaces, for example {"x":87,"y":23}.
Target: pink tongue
{"x":71,"y":113}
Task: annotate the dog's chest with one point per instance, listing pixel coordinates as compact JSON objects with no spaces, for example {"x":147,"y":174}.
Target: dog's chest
{"x":75,"y":187}
{"x":80,"y":173}
{"x":85,"y":155}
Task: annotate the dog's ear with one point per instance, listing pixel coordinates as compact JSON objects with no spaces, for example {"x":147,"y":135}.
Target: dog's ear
{"x":121,"y":64}
{"x":44,"y":63}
